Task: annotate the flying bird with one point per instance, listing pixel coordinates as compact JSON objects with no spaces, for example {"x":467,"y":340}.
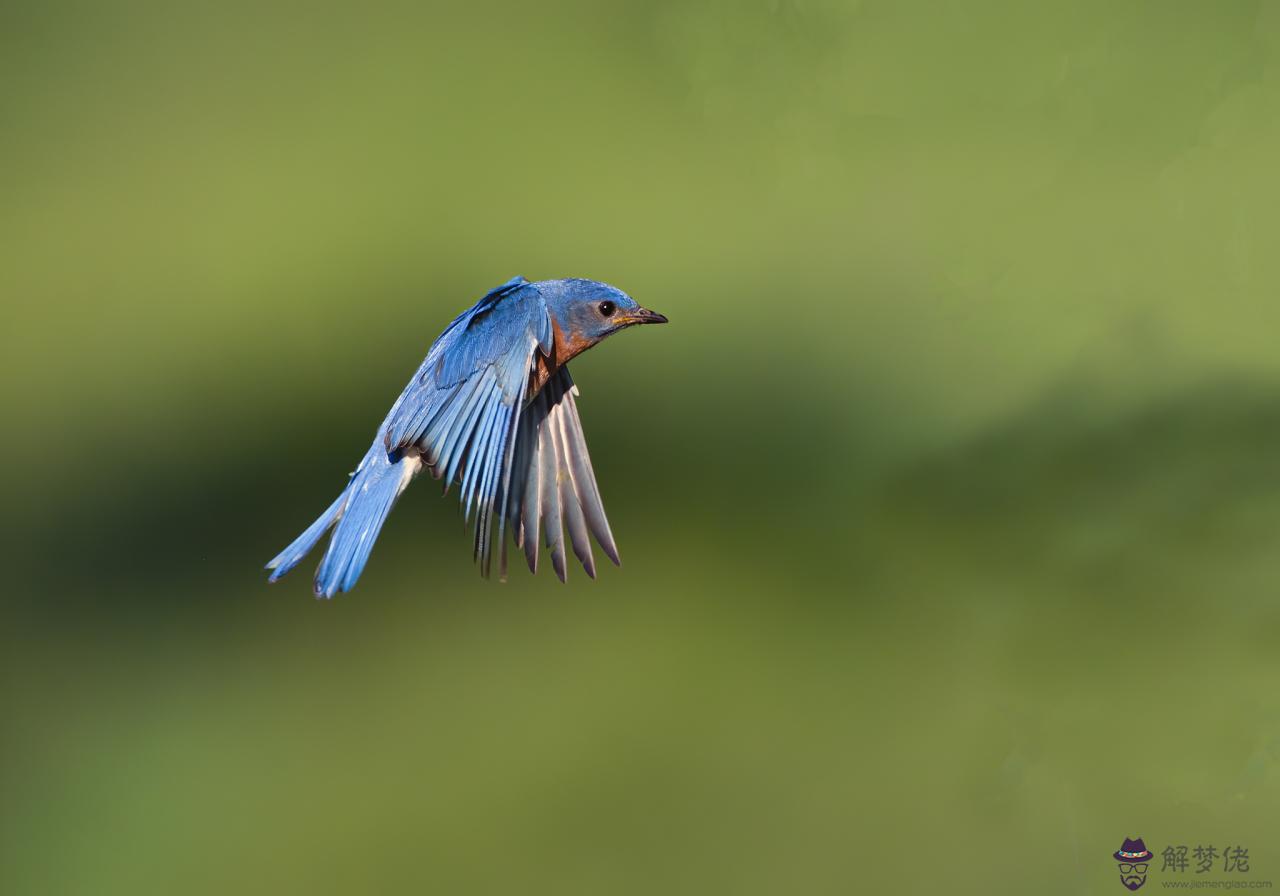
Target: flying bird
{"x":491,"y":408}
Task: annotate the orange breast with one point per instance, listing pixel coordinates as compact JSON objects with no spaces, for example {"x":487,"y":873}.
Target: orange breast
{"x":565,"y":346}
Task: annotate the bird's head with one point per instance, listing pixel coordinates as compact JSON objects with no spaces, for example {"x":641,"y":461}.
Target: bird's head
{"x":585,"y":311}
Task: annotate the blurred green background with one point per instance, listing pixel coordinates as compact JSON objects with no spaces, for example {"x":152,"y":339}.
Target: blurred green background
{"x":949,"y":501}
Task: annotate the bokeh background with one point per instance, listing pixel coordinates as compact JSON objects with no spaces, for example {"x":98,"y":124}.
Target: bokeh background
{"x":949,"y":501}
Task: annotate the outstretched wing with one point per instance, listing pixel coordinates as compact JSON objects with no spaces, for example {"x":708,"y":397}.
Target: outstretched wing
{"x":461,"y":410}
{"x":553,"y":486}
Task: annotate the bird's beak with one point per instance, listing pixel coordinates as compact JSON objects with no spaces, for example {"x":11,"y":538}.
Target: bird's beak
{"x":643,"y":316}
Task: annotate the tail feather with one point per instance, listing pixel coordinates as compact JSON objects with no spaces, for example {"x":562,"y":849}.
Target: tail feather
{"x":291,"y":556}
{"x":358,"y":513}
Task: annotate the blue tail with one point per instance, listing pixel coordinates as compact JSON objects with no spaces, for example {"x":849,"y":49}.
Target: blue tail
{"x":359,"y":513}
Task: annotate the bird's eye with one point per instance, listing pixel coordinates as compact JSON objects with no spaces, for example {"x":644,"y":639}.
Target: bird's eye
{"x":607,"y":309}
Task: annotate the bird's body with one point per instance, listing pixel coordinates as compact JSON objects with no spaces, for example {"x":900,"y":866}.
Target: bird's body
{"x":492,"y":407}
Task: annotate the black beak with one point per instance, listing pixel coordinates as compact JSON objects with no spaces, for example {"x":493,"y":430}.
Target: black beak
{"x":645,"y":316}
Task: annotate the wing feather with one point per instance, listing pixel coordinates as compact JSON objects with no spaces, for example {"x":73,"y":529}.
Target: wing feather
{"x":556,"y":492}
{"x":460,"y":411}
{"x":584,"y":477}
{"x":478,"y":455}
{"x":549,"y":498}
{"x":459,"y":436}
{"x":530,"y":510}
{"x":569,"y":500}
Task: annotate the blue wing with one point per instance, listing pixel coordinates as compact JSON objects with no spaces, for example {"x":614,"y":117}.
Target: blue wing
{"x":460,"y":413}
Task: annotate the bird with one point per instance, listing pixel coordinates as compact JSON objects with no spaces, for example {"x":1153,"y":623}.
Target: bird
{"x":492,"y":408}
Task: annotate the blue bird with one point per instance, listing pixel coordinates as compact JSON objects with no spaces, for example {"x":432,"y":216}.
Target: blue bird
{"x":492,"y":408}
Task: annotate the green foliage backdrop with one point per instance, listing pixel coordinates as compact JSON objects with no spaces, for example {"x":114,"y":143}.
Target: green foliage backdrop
{"x":949,"y":501}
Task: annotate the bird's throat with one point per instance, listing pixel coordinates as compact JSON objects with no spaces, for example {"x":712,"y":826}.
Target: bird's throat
{"x":564,"y":347}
